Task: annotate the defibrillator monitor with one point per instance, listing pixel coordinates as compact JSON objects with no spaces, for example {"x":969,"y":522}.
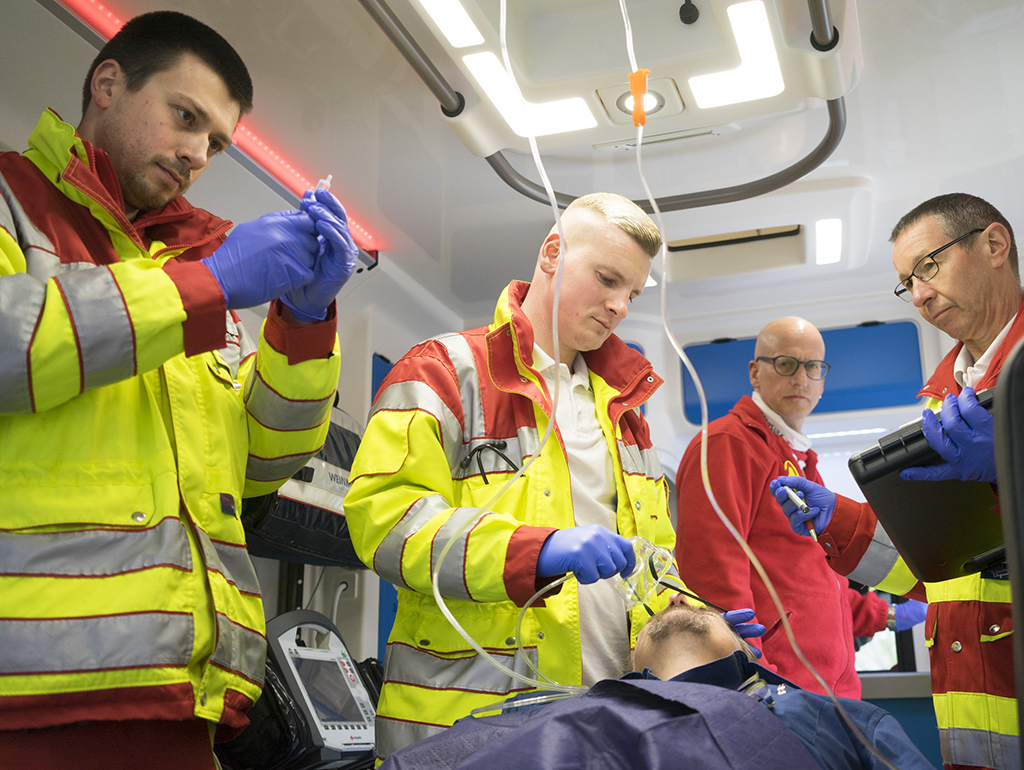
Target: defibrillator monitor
{"x":325,"y":682}
{"x":942,"y":529}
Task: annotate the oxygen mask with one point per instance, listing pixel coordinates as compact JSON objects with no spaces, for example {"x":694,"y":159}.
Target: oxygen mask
{"x":644,"y":582}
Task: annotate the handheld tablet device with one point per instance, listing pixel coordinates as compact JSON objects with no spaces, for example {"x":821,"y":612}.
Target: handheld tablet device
{"x":942,"y":529}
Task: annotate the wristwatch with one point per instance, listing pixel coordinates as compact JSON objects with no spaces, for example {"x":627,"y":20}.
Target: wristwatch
{"x":890,"y":621}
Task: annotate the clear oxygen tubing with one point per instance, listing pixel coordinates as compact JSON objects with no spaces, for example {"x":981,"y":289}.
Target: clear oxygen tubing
{"x":519,"y":629}
{"x":704,"y":429}
{"x":435,"y":576}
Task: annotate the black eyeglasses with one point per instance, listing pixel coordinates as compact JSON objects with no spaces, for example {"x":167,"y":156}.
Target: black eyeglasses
{"x":787,"y":366}
{"x":926,"y":268}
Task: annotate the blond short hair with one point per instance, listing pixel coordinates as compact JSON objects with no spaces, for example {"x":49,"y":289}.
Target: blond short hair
{"x":624,"y":214}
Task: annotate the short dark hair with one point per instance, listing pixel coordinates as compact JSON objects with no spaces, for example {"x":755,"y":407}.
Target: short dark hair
{"x":155,"y":42}
{"x":959,"y":213}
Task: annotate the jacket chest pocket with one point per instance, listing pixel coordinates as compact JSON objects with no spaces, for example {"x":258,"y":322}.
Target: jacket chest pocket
{"x":476,"y":492}
{"x":647,"y":506}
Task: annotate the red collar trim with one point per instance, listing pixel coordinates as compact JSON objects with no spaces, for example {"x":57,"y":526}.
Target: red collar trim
{"x":95,"y":176}
{"x":943,"y":380}
{"x":624,"y":369}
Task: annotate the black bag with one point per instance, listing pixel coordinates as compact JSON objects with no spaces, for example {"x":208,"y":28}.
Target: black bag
{"x":304,"y":521}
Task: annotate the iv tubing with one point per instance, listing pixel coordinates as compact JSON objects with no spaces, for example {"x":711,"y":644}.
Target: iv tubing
{"x":519,"y":626}
{"x":704,"y":431}
{"x":435,"y":577}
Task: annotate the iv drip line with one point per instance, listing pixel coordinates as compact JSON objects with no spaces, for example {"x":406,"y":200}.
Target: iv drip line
{"x":704,"y":424}
{"x":486,"y":508}
{"x":550,"y":684}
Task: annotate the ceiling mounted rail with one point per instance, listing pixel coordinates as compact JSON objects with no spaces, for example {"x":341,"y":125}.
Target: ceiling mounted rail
{"x":824,"y":36}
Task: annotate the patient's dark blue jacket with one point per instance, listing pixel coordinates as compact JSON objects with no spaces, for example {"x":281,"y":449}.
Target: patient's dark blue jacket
{"x":698,"y":719}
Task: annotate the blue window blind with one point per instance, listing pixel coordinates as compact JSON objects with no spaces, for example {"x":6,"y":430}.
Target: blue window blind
{"x":873,"y":366}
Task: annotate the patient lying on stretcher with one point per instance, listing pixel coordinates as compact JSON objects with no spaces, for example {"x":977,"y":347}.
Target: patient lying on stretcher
{"x":694,"y":698}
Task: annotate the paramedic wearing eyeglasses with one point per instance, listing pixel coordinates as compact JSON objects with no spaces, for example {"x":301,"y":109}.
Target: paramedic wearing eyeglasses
{"x":748,"y":448}
{"x":421,"y":469}
{"x":957,"y":262}
{"x":135,"y":414}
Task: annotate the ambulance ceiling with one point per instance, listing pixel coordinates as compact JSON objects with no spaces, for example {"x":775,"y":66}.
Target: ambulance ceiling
{"x":935,"y":106}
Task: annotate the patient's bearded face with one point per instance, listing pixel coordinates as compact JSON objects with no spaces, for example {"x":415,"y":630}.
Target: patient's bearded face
{"x":683,"y":619}
{"x":705,"y":629}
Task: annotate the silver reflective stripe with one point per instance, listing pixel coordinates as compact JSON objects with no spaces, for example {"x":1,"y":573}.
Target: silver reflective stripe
{"x":452,"y":578}
{"x":877,"y":561}
{"x":394,"y":734}
{"x":405,"y":396}
{"x":43,"y":265}
{"x":979,"y":748}
{"x":640,"y":461}
{"x":95,"y":553}
{"x":274,"y":468}
{"x":106,"y":339}
{"x":408,"y":665}
{"x":231,"y":561}
{"x":469,"y":382}
{"x":387,"y":562}
{"x":529,"y":440}
{"x":29,"y":237}
{"x":491,"y":461}
{"x":39,"y":646}
{"x":275,"y":411}
{"x":239,"y":649}
{"x":21,"y":301}
{"x":6,"y":216}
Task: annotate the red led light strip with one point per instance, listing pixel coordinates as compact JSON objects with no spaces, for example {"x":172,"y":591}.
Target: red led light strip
{"x":106,"y":23}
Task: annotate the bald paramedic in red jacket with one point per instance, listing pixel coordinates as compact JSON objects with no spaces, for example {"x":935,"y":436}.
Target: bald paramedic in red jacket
{"x":759,"y":438}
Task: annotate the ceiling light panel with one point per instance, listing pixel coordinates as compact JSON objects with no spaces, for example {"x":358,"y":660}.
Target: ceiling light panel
{"x":453,"y":22}
{"x":524,"y":117}
{"x":758,"y":75}
{"x":828,"y":241}
{"x":573,"y":51}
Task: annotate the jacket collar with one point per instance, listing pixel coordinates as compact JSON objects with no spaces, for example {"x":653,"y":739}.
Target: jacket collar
{"x":730,"y":672}
{"x":86,"y":174}
{"x":943,"y":381}
{"x":618,"y":365}
{"x":747,"y":412}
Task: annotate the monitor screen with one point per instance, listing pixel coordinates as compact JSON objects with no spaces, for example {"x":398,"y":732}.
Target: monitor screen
{"x":328,"y":690}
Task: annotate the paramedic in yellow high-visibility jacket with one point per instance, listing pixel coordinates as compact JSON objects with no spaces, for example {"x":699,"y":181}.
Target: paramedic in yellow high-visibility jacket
{"x":135,"y":414}
{"x":453,"y":421}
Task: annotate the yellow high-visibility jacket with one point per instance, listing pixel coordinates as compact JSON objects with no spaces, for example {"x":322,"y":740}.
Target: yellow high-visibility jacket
{"x":476,"y":395}
{"x":126,"y":444}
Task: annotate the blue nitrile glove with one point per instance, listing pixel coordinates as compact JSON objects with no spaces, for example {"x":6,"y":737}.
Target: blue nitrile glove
{"x":821,"y":501}
{"x":263,"y":259}
{"x":738,"y":620}
{"x":591,"y":553}
{"x":337,"y":260}
{"x":910,"y":613}
{"x":965,"y":440}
